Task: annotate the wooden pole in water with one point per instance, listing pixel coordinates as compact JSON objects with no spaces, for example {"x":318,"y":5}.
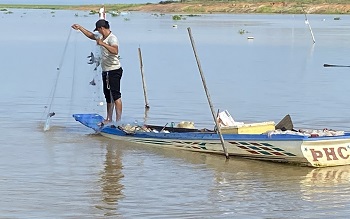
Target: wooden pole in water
{"x":102,"y":13}
{"x":329,"y":65}
{"x":207,"y":93}
{"x":308,"y":23}
{"x":143,"y":80}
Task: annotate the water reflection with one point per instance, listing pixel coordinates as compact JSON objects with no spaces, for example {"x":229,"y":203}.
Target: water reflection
{"x":329,"y":176}
{"x":262,"y":186}
{"x":328,"y":180}
{"x":111,"y":187}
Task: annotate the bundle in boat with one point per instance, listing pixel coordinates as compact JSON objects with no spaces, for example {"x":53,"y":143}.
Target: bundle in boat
{"x":229,"y":126}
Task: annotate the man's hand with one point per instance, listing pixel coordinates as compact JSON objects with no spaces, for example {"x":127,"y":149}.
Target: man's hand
{"x":99,"y":42}
{"x":76,"y":26}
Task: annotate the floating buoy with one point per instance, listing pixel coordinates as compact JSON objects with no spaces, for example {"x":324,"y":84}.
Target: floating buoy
{"x":101,"y":103}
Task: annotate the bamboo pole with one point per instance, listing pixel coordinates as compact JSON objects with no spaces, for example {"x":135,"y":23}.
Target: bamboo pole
{"x":329,"y":65}
{"x":143,"y":80}
{"x":207,"y":94}
{"x":308,"y":23}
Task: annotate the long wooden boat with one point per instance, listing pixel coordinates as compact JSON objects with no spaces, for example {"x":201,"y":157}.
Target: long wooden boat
{"x":315,"y":151}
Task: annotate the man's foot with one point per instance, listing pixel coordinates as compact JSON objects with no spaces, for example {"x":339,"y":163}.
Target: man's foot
{"x":103,"y":123}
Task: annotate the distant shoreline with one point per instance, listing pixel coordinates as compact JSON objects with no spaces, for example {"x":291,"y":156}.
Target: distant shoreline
{"x":233,"y":7}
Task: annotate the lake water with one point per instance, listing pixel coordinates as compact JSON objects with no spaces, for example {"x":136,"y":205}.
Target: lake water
{"x":69,"y":172}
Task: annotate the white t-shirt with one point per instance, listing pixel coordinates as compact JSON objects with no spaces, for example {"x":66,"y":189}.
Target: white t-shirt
{"x":110,"y":61}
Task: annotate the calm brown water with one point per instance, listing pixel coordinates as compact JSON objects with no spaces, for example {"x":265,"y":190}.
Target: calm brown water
{"x":69,"y":172}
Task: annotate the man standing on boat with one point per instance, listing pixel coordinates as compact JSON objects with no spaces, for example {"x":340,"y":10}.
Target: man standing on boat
{"x":111,"y":67}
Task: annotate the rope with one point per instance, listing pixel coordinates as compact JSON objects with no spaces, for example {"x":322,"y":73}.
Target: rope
{"x":107,"y":81}
{"x":74,"y":72}
{"x":72,"y":94}
{"x":59,"y":69}
{"x":49,"y":115}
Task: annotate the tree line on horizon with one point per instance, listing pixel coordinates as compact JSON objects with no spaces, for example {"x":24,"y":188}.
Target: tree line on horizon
{"x":259,"y":1}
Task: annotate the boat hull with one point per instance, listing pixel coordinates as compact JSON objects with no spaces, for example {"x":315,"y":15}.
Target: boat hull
{"x":260,"y":150}
{"x":295,"y":149}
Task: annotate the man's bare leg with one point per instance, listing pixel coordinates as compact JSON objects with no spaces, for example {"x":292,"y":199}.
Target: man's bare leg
{"x":118,"y":109}
{"x":110,"y":107}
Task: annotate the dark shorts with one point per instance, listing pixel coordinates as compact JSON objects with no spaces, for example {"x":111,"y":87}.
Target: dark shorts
{"x":111,"y":88}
